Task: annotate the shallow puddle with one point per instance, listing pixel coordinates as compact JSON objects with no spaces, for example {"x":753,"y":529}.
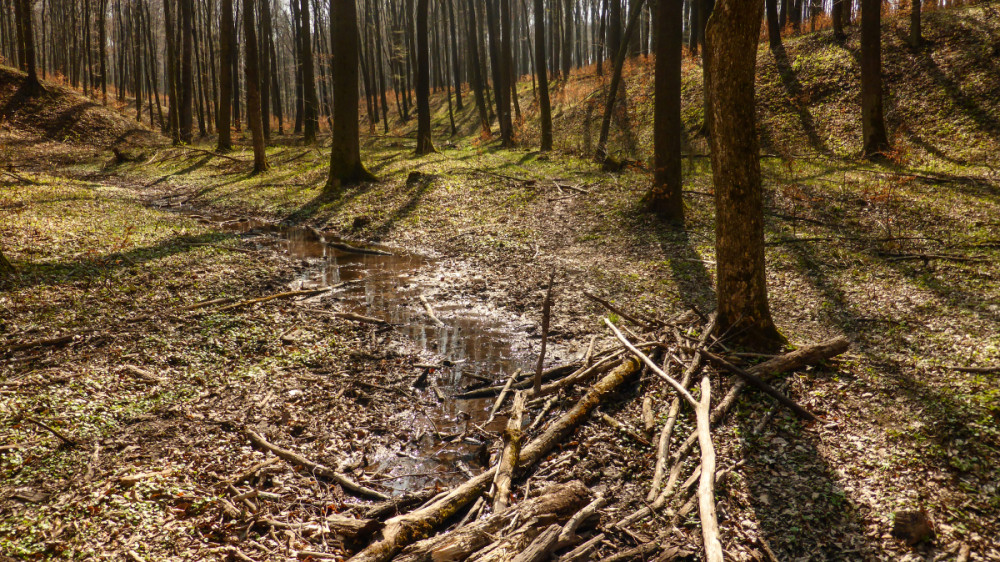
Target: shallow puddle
{"x":475,"y":343}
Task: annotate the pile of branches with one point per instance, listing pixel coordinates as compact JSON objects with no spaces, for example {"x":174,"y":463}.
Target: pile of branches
{"x":476,"y":519}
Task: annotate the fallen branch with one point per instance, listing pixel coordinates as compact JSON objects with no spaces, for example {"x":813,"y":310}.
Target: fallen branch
{"x":503,"y":394}
{"x":284,"y":295}
{"x":628,"y":430}
{"x":642,"y":324}
{"x":314,"y":468}
{"x":558,"y":502}
{"x":430,"y":311}
{"x":67,"y":440}
{"x":512,"y":437}
{"x":405,"y":529}
{"x":47,"y":342}
{"x":706,"y":488}
{"x":976,"y":370}
{"x":757,"y":382}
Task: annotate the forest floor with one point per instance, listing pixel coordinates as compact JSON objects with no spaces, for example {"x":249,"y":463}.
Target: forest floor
{"x":899,"y":257}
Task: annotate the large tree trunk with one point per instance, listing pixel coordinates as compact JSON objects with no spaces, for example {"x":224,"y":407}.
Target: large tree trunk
{"x":616,"y":78}
{"x":665,"y":197}
{"x":253,"y":87}
{"x":915,"y":36}
{"x":506,"y":74}
{"x":614,"y":27}
{"x":730,"y":60}
{"x":456,"y":66}
{"x":425,"y":144}
{"x":544,"y":104}
{"x":26,"y":44}
{"x":874,"y":137}
{"x":310,"y":101}
{"x":226,"y":47}
{"x":476,"y":74}
{"x":186,"y":105}
{"x":345,"y":153}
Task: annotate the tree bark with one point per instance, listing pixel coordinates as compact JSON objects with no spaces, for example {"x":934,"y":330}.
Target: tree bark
{"x":616,"y":77}
{"x":253,"y":87}
{"x":186,"y":104}
{"x":476,"y":68}
{"x":226,"y":46}
{"x":541,"y":69}
{"x":26,"y":42}
{"x":425,"y":144}
{"x":874,"y":137}
{"x":915,"y":35}
{"x":730,"y":60}
{"x":345,"y":154}
{"x":310,"y":101}
{"x":665,"y":196}
{"x":774,"y":29}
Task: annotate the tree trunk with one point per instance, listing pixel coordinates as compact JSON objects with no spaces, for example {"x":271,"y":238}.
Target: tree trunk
{"x":456,"y":66}
{"x":544,"y":104}
{"x":26,"y":43}
{"x":614,"y":27}
{"x":915,"y":36}
{"x":425,"y":144}
{"x":186,"y":82}
{"x":837,"y":15}
{"x":345,"y":153}
{"x":874,"y":137}
{"x":476,"y":74}
{"x":253,"y":87}
{"x":773,"y":29}
{"x":6,"y":268}
{"x":226,"y":48}
{"x":730,"y":60}
{"x":616,"y":78}
{"x":506,"y":74}
{"x":310,"y":101}
{"x":665,"y":197}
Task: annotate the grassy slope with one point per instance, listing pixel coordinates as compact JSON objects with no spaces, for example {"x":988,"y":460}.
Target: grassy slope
{"x":904,"y":427}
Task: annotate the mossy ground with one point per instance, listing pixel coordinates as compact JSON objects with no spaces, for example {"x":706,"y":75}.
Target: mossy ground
{"x":901,"y":430}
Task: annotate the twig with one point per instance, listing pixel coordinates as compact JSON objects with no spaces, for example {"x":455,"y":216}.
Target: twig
{"x":314,"y":467}
{"x":284,"y":295}
{"x":430,"y":311}
{"x":618,"y":311}
{"x":67,"y":440}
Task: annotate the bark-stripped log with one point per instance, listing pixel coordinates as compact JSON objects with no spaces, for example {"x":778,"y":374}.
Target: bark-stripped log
{"x":558,"y":503}
{"x":508,"y":459}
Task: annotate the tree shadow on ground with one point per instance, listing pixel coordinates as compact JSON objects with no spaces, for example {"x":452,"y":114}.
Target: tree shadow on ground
{"x":98,"y":265}
{"x":796,"y":93}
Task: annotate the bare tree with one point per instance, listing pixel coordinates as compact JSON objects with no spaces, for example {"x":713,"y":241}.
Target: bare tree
{"x":544,"y":104}
{"x":425,"y":144}
{"x":665,"y":196}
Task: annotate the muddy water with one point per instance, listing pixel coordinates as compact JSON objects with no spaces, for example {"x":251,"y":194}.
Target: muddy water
{"x":475,"y":342}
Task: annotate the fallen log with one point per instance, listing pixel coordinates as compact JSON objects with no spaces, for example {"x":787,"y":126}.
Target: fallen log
{"x":508,"y":459}
{"x":405,"y":529}
{"x":541,"y":548}
{"x":558,"y":503}
{"x":313,"y":467}
{"x":756,"y":381}
{"x":584,"y":551}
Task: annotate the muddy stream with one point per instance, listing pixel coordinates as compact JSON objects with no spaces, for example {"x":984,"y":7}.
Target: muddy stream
{"x":476,"y":343}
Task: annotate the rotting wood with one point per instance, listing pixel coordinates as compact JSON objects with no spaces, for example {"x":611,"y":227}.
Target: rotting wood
{"x":313,"y":467}
{"x":541,"y":548}
{"x":648,"y":420}
{"x":430,"y":311}
{"x":557,"y":503}
{"x":512,"y":437}
{"x":406,"y":529}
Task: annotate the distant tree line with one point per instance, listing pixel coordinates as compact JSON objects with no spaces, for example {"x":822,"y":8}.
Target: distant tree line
{"x":219,"y":64}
